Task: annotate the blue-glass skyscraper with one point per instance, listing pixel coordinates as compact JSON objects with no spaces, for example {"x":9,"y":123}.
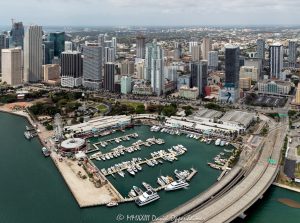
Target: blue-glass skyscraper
{"x":232,"y":66}
{"x":58,"y":38}
{"x":17,"y":35}
{"x":48,"y":52}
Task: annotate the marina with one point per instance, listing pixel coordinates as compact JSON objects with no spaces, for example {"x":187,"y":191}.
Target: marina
{"x":31,"y":163}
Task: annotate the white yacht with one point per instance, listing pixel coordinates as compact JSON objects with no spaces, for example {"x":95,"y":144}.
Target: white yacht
{"x":176,"y":185}
{"x":218,"y":141}
{"x":146,"y":198}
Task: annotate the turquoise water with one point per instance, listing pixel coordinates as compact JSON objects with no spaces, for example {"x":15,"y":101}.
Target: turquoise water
{"x":32,"y":190}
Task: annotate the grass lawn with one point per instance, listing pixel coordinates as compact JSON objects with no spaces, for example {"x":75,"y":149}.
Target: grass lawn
{"x":102,"y":108}
{"x":132,"y":104}
{"x":298,"y":150}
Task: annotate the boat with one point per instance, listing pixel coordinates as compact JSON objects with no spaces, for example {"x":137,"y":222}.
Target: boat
{"x":138,"y":190}
{"x":132,"y":193}
{"x":218,"y":141}
{"x":138,"y":166}
{"x":154,"y":162}
{"x":46,"y":152}
{"x":181,"y":174}
{"x":121,"y":173}
{"x":27,"y":135}
{"x":160,"y":182}
{"x":129,"y":170}
{"x":147,"y":186}
{"x":222,"y":143}
{"x":228,"y":150}
{"x":176,"y":185}
{"x":160,"y":161}
{"x":146,"y":198}
{"x":112,"y":204}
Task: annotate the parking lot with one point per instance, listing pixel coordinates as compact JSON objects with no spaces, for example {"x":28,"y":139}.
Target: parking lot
{"x":267,"y":101}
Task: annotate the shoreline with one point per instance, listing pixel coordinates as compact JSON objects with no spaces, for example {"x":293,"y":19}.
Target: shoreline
{"x":84,"y":191}
{"x":286,"y":187}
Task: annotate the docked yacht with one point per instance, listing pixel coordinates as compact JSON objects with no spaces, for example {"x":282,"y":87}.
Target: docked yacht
{"x":137,"y":190}
{"x":160,"y":182}
{"x":176,"y":185}
{"x":146,"y":198}
{"x":218,"y":142}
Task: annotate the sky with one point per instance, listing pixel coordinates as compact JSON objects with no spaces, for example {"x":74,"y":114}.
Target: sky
{"x":150,"y":12}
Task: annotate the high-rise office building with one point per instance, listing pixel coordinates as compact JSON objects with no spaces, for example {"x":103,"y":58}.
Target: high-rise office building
{"x":292,"y":53}
{"x":206,"y":47}
{"x":114,"y":45}
{"x":109,"y":56}
{"x":101,"y":40}
{"x":154,"y":67}
{"x":59,"y":42}
{"x":260,"y":50}
{"x":276,"y":60}
{"x":71,"y":69}
{"x":126,"y":84}
{"x":33,"y":54}
{"x":193,"y":42}
{"x":12,"y":66}
{"x":109,"y":77}
{"x":92,"y":66}
{"x":48,"y":52}
{"x":213,"y":59}
{"x":68,"y":46}
{"x":199,"y":75}
{"x":140,"y":47}
{"x":196,"y":53}
{"x":232,"y":66}
{"x":2,"y":46}
{"x":17,"y":34}
{"x":177,"y":51}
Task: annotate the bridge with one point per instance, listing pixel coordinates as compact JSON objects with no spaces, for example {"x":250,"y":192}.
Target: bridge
{"x":238,"y":190}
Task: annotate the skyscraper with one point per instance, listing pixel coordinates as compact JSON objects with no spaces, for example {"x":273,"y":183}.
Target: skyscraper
{"x":48,"y":52}
{"x":12,"y":66}
{"x":109,"y":55}
{"x":68,"y":46}
{"x":196,"y":53}
{"x":140,"y":47}
{"x":206,"y":47}
{"x":154,"y":66}
{"x":33,"y":54}
{"x":260,"y":49}
{"x":17,"y":34}
{"x":109,"y":77}
{"x":276,"y":60}
{"x":2,"y":46}
{"x":59,"y":42}
{"x":232,"y":66}
{"x":92,"y":66}
{"x":292,"y":53}
{"x":213,"y":59}
{"x":114,"y":45}
{"x":71,"y":69}
{"x":101,"y":40}
{"x":199,"y":75}
{"x":193,"y":42}
{"x":177,"y":51}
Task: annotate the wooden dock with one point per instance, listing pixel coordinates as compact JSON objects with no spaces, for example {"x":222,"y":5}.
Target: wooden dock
{"x":193,"y":173}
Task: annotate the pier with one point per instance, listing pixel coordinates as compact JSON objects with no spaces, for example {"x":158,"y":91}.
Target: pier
{"x":134,"y":147}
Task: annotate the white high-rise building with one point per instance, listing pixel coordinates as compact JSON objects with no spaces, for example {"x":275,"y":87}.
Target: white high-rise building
{"x":33,"y":54}
{"x":114,"y":45}
{"x":12,"y":66}
{"x":196,"y":53}
{"x":193,"y":42}
{"x":276,"y":60}
{"x":213,"y":59}
{"x":206,"y":47}
{"x":154,"y":66}
{"x":68,"y":46}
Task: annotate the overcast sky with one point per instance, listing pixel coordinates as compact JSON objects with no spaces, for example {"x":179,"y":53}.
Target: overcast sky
{"x":151,"y":12}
